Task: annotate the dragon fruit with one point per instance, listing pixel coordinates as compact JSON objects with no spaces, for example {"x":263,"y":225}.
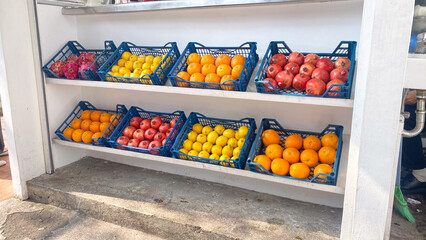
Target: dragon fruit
{"x":71,"y":71}
{"x":72,"y":59}
{"x":58,"y":68}
{"x":85,"y":66}
{"x":86,"y":57}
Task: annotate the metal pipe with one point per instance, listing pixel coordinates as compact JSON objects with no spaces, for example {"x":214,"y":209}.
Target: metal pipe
{"x":420,"y":115}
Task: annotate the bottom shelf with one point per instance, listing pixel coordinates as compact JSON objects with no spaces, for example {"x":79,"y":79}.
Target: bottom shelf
{"x":298,"y":190}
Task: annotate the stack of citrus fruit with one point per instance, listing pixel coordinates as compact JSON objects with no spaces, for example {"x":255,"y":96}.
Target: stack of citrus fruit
{"x":209,"y":69}
{"x":90,"y":126}
{"x":299,"y":155}
{"x":135,"y":66}
{"x":215,"y":142}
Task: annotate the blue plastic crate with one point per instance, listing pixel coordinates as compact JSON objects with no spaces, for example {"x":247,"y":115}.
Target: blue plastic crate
{"x":139,"y":112}
{"x":344,"y":49}
{"x":194,"y":118}
{"x":259,"y":148}
{"x":158,"y":77}
{"x":120,"y":111}
{"x":73,"y":47}
{"x":248,"y":50}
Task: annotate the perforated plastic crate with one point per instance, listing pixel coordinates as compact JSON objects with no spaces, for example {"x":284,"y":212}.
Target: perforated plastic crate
{"x":73,"y":47}
{"x":159,"y":75}
{"x":139,"y":112}
{"x":344,"y":49}
{"x":248,"y":50}
{"x":194,"y":118}
{"x":258,"y":148}
{"x":120,"y":111}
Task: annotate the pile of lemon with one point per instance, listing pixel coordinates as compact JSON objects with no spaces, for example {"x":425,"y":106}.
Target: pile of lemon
{"x":135,"y":66}
{"x":215,"y":143}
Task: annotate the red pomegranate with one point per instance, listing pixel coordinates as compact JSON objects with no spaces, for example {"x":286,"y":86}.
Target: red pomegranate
{"x":296,"y":57}
{"x":299,"y":81}
{"x":273,"y":70}
{"x":284,"y":79}
{"x":321,"y":74}
{"x":279,"y":59}
{"x":339,"y":73}
{"x":315,"y":87}
{"x":311,"y":58}
{"x":268,"y":83}
{"x":334,"y":82}
{"x":326,"y":64}
{"x":307,"y":69}
{"x":343,"y":62}
{"x":292,"y":67}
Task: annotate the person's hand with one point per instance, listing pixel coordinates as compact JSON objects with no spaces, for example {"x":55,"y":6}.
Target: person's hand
{"x":411,"y":97}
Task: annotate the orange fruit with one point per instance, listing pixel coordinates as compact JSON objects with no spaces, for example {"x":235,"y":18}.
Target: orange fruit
{"x":207,"y":59}
{"x":76,"y":123}
{"x":269,"y":137}
{"x":299,"y":170}
{"x":264,"y":161}
{"x":77,"y":134}
{"x":86,"y":114}
{"x":330,"y":140}
{"x":312,"y":142}
{"x":193,"y":68}
{"x":193,"y":58}
{"x":196,"y":77}
{"x":212,"y":78}
{"x":227,"y":85}
{"x":68,"y":132}
{"x":322,"y":168}
{"x":85,"y":125}
{"x":280,"y":166}
{"x":222,"y":59}
{"x":291,"y":155}
{"x":185,"y":76}
{"x":112,"y":117}
{"x":309,"y":157}
{"x":327,"y":155}
{"x":208,"y":68}
{"x":96,"y":135}
{"x":94,"y":126}
{"x":294,"y":141}
{"x":274,"y":151}
{"x":103,"y":127}
{"x":236,"y":71}
{"x":223,"y":70}
{"x":238,"y":60}
{"x":87,"y":137}
{"x":105,"y":117}
{"x":96,"y":116}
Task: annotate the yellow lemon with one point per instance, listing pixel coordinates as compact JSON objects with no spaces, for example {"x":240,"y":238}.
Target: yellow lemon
{"x":214,"y":156}
{"x":206,"y":130}
{"x":192,"y":136}
{"x":146,"y":72}
{"x":183,"y":150}
{"x":201,"y":138}
{"x":224,"y":157}
{"x":204,"y":154}
{"x":233,"y":142}
{"x":157,"y":60}
{"x":123,"y":71}
{"x":243,"y":131}
{"x":149,"y":59}
{"x":126,"y":55}
{"x":137,"y":64}
{"x":207,"y":147}
{"x":229,"y":133}
{"x":141,"y":58}
{"x":117,"y":74}
{"x":193,"y":153}
{"x":115,"y":68}
{"x":137,"y":71}
{"x":222,"y":141}
{"x":227,"y":150}
{"x":111,"y":73}
{"x":234,"y":157}
{"x":197,"y":146}
{"x":236,"y":152}
{"x":129,"y":65}
{"x":211,"y":138}
{"x":121,"y":62}
{"x":146,"y":66}
{"x":133,"y":58}
{"x":241,"y":142}
{"x":197,"y":128}
{"x":134,"y":75}
{"x":237,"y":136}
{"x":187,"y":144}
{"x":219,"y":129}
{"x":126,"y":75}
{"x":216,"y":149}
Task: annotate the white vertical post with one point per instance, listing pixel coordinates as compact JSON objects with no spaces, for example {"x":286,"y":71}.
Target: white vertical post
{"x":375,"y":136}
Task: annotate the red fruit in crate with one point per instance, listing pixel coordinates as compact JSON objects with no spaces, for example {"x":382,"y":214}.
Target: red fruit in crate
{"x":307,"y":69}
{"x":315,"y":87}
{"x":173,"y":122}
{"x":71,"y":70}
{"x":155,"y":144}
{"x":139,"y":134}
{"x":339,"y":73}
{"x":72,"y":59}
{"x":273,"y":70}
{"x":128,"y":131}
{"x":321,"y":74}
{"x":86,"y":65}
{"x":326,"y":64}
{"x":299,"y":81}
{"x":168,"y":132}
{"x":163,"y":142}
{"x":123,"y":140}
{"x":292,"y":67}
{"x":150,"y":133}
{"x":335,"y":88}
{"x":311,"y":58}
{"x":133,"y":143}
{"x":164,"y":127}
{"x":343,"y":62}
{"x":268,"y":83}
{"x":86,"y":57}
{"x":144,"y":144}
{"x":135,"y":122}
{"x":279,"y":59}
{"x":159,"y":136}
{"x":156,"y":122}
{"x":145,"y":124}
{"x":58,"y":68}
{"x":284,"y":79}
{"x":296,"y":57}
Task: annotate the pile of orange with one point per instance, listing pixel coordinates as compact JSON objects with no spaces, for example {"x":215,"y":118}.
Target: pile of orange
{"x":298,"y":155}
{"x":209,"y":69}
{"x":90,"y":126}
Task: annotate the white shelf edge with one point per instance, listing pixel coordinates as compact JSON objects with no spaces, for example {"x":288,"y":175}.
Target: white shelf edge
{"x":248,"y":96}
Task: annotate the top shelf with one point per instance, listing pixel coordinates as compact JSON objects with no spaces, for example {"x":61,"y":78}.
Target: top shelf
{"x":168,"y":5}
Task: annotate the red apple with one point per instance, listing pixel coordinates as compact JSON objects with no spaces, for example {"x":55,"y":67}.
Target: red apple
{"x":144,"y":144}
{"x":123,"y":140}
{"x":139,"y":134}
{"x":284,"y":79}
{"x":159,"y":136}
{"x":273,"y":70}
{"x":164,"y":127}
{"x":145,"y":124}
{"x":128,"y":131}
{"x":269,"y":82}
{"x":150,"y":133}
{"x":279,"y":59}
{"x":133,"y":143}
{"x":299,"y":81}
{"x":173,"y":122}
{"x":156,"y":122}
{"x":135,"y":122}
